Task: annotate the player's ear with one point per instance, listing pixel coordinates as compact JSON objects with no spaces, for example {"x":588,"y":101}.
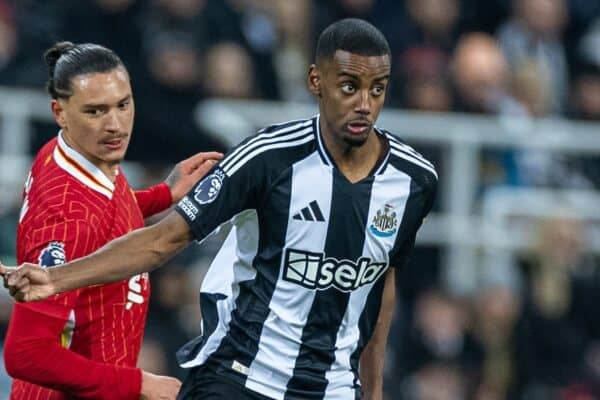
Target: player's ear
{"x":314,"y":80}
{"x":59,"y":113}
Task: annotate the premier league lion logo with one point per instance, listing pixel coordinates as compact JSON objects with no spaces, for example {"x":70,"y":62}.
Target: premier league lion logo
{"x":209,"y":188}
{"x":53,"y":254}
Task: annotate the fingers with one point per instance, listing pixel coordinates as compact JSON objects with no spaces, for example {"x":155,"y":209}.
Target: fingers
{"x":198,"y":159}
{"x":4,"y":270}
{"x":202,"y":169}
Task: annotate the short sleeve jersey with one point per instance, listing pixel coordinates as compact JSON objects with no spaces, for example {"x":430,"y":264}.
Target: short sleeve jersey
{"x":293,"y":296}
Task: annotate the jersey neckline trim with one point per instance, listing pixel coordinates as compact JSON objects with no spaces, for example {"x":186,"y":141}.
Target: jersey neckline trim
{"x":81,"y":168}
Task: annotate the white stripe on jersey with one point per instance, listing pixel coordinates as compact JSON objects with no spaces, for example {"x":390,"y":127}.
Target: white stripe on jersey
{"x":276,"y":144}
{"x":413,"y":160}
{"x":407,"y":149}
{"x":262,"y":139}
{"x":290,"y":304}
{"x":231,"y":266}
{"x":393,"y":185}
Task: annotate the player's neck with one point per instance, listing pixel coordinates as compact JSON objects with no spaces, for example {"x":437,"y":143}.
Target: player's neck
{"x":355,"y":162}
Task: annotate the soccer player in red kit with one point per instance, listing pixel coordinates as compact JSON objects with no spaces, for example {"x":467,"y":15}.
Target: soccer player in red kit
{"x":84,"y":344}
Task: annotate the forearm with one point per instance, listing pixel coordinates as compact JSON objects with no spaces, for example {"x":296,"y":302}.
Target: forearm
{"x":373,"y":356}
{"x":138,"y":251}
{"x":31,"y":352}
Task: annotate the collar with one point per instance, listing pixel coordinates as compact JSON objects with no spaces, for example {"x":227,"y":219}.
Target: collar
{"x":328,"y":159}
{"x":81,"y":168}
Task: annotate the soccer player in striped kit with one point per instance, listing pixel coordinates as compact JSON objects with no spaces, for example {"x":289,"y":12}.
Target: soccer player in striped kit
{"x":297,"y":303}
{"x":85,"y":343}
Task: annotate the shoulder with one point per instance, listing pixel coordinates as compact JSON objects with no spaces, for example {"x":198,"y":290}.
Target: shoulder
{"x":275,"y":146}
{"x":406,"y":159}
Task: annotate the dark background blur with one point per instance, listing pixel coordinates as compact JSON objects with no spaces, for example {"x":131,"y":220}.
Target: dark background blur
{"x":500,"y":302}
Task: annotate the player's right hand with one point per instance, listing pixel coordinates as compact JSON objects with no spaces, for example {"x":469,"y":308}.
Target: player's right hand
{"x":29,"y":282}
{"x":158,"y":387}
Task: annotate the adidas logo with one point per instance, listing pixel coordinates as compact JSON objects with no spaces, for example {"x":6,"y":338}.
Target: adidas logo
{"x":310,"y":213}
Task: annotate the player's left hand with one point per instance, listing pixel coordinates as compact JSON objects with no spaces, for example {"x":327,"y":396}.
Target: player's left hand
{"x":189,"y":171}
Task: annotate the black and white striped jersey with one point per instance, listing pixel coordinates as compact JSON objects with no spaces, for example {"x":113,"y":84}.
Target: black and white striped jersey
{"x":292,"y":297}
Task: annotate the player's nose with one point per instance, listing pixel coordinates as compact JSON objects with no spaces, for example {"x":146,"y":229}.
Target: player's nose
{"x":112,"y":122}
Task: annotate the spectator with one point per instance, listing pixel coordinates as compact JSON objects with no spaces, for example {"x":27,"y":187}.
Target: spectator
{"x":229,"y":72}
{"x":534,"y":33}
{"x":550,"y":337}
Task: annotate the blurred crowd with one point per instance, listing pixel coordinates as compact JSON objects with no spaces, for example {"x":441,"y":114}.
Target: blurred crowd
{"x":536,"y":337}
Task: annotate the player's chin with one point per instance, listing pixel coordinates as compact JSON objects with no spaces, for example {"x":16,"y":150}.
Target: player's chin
{"x":114,"y":156}
{"x":356,"y":140}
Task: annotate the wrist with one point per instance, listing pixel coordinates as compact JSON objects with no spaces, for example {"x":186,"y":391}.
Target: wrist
{"x":55,"y":280}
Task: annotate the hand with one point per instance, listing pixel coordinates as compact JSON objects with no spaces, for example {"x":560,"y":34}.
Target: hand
{"x":189,"y":172}
{"x":29,"y":282}
{"x":158,"y":387}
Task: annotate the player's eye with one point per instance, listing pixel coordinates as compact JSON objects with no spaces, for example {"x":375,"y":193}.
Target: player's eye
{"x":93,"y":112}
{"x":124,"y":105}
{"x":348,"y":88}
{"x":378,"y":90}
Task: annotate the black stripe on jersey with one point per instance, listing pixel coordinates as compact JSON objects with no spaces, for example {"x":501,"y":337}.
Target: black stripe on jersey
{"x":210,"y":319}
{"x":419,"y":203}
{"x":282,"y":134}
{"x":366,"y":324}
{"x":252,"y":304}
{"x":344,"y":242}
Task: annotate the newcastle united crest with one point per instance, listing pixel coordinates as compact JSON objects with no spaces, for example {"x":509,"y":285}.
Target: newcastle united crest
{"x":384,"y":223}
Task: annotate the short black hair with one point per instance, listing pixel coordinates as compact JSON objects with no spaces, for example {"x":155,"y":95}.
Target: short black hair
{"x":66,"y":60}
{"x":354,"y":36}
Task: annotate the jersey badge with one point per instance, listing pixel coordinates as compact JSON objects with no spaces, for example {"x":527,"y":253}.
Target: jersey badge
{"x":208,"y":189}
{"x":53,"y":254}
{"x":385,"y":223}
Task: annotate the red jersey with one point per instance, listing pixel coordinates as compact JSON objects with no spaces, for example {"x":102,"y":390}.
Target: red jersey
{"x":83,"y":343}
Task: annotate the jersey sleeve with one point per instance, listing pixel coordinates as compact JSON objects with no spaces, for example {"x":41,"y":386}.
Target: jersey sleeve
{"x":230,"y":188}
{"x":153,"y":200}
{"x":33,"y":342}
{"x":405,"y":241}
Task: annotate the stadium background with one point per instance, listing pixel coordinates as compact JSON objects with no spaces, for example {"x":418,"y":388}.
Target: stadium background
{"x":501,"y":298}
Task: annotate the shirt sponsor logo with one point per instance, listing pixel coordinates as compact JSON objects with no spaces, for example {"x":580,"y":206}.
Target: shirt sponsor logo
{"x":190,"y":210}
{"x":208,"y":189}
{"x":385,"y":223}
{"x":53,"y":254}
{"x":314,"y":271}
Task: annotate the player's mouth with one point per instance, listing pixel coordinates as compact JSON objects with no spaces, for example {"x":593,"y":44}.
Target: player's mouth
{"x":359,"y":127}
{"x":114,"y":143}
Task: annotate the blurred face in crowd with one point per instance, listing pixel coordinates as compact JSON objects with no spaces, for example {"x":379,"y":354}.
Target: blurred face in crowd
{"x":229,"y":71}
{"x":437,"y":17}
{"x":351,"y":90}
{"x":97,"y":119}
{"x":480,"y":70}
{"x":176,"y":65}
{"x":544,"y":17}
{"x":587,"y":96}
